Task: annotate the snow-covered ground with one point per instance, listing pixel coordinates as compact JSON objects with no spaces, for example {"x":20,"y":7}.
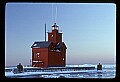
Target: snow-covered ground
{"x":93,"y":65}
{"x":109,"y":71}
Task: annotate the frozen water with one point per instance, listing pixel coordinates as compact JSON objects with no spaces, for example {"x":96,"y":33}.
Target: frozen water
{"x":108,"y":71}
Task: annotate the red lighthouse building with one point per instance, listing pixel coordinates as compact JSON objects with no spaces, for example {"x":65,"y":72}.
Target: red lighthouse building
{"x":51,"y":53}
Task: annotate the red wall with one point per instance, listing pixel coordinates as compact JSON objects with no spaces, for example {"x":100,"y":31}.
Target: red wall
{"x":53,"y":59}
{"x":56,"y":58}
{"x":43,"y":56}
{"x":57,"y":37}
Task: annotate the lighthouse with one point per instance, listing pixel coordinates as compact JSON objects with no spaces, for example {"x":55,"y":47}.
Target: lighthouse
{"x":51,"y":53}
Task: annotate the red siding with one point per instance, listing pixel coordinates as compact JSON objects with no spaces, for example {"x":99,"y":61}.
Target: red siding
{"x":55,"y":37}
{"x":59,"y":37}
{"x":56,"y":58}
{"x":43,"y":56}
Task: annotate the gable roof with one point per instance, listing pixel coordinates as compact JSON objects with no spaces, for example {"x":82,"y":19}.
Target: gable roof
{"x":42,"y":44}
{"x":60,"y":44}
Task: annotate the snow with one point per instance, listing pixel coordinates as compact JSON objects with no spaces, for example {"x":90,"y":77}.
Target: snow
{"x":57,"y":74}
{"x":109,"y":71}
{"x":84,"y":65}
{"x":23,"y":67}
{"x":92,"y":65}
{"x":57,"y":50}
{"x":35,"y":45}
{"x":31,"y":73}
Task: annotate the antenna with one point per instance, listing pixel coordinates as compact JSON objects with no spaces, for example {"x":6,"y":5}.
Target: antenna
{"x":45,"y":32}
{"x":56,"y":15}
{"x":52,"y":12}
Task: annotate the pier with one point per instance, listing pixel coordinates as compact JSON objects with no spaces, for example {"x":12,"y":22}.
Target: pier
{"x":51,"y":69}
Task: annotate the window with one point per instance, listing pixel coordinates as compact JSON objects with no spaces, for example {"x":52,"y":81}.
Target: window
{"x":38,"y":55}
{"x":52,"y":35}
{"x":53,"y":28}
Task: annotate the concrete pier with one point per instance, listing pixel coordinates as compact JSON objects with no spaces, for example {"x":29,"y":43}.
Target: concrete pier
{"x":51,"y":69}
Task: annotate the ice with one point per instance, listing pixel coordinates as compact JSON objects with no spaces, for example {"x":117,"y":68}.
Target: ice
{"x":83,"y":65}
{"x":109,"y":66}
{"x":108,"y":71}
{"x":93,"y":65}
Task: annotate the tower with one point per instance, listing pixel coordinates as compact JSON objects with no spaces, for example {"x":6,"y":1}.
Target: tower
{"x":55,"y":36}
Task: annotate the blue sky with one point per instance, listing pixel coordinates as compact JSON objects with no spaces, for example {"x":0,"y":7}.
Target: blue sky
{"x":89,"y":30}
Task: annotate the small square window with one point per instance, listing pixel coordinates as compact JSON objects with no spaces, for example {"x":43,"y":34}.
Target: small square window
{"x":38,"y":53}
{"x":52,"y":35}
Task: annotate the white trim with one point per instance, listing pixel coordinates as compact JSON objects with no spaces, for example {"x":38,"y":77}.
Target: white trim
{"x":36,"y":61}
